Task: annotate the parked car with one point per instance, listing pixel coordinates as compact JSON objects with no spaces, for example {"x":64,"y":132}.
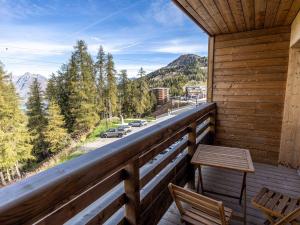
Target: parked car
{"x":138,"y":123}
{"x":144,"y":122}
{"x":113,"y":132}
{"x":125,"y":128}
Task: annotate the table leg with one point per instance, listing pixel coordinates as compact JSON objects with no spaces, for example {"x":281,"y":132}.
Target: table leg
{"x":244,"y":191}
{"x":200,"y":181}
{"x":243,"y":187}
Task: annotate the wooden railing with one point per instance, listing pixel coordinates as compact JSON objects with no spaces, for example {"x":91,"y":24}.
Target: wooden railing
{"x":124,"y":182}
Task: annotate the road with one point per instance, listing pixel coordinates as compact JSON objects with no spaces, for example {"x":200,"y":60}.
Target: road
{"x":104,"y":141}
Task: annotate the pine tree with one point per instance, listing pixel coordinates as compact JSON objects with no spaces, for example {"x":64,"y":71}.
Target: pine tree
{"x":15,"y":145}
{"x":37,"y":120}
{"x":145,"y":99}
{"x":100,"y":75}
{"x":112,"y":92}
{"x":124,"y":91}
{"x":85,"y":111}
{"x":135,"y":103}
{"x":55,"y":134}
{"x":51,"y":90}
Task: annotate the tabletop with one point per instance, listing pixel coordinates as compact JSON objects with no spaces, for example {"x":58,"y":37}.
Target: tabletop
{"x":223,"y":157}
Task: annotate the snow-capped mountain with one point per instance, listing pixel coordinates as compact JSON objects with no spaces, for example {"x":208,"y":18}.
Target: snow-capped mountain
{"x":23,"y":83}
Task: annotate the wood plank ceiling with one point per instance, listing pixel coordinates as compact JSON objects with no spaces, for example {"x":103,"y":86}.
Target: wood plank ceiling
{"x":230,"y":16}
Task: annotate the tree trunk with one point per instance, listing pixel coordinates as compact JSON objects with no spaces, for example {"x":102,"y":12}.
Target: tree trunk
{"x":2,"y":179}
{"x":17,"y":170}
{"x":109,"y":110}
{"x":8,"y":175}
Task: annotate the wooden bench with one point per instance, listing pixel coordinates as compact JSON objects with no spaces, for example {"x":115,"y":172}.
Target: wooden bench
{"x":198,"y":209}
{"x":277,"y":206}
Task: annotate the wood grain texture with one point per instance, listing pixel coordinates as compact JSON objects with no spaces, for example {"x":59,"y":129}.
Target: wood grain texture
{"x":35,"y":197}
{"x":238,"y":14}
{"x":260,"y":13}
{"x":249,"y":13}
{"x":290,"y":135}
{"x":225,"y":11}
{"x":231,"y":16}
{"x":282,"y":13}
{"x":223,"y":157}
{"x":249,"y":80}
{"x":271,"y":11}
{"x":210,"y":69}
{"x":279,"y":179}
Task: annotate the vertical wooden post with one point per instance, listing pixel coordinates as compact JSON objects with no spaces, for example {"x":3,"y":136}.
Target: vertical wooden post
{"x":211,"y":43}
{"x":191,"y":150}
{"x":132,"y":190}
{"x":212,"y":122}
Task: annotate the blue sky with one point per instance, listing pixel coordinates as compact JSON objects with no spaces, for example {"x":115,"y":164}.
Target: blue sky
{"x":37,"y":36}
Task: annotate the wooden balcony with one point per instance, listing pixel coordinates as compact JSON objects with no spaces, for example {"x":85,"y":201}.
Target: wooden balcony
{"x":118,"y":183}
{"x":280,"y":179}
{"x":121,"y":183}
{"x":253,"y":82}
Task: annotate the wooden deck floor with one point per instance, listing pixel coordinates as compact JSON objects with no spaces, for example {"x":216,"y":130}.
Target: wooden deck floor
{"x":280,"y":179}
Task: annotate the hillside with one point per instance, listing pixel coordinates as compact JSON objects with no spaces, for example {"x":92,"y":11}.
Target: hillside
{"x":187,"y":65}
{"x":187,"y":69}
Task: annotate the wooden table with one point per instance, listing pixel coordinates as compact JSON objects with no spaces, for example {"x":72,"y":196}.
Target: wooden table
{"x":227,"y":158}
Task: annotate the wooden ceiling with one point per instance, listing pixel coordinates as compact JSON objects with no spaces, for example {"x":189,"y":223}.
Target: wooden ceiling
{"x":230,"y":16}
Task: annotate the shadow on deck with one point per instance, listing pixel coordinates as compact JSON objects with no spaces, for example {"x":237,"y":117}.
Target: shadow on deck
{"x":279,"y":179}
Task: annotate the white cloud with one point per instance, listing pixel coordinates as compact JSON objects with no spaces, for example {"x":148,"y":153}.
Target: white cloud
{"x":183,"y":49}
{"x":33,"y":48}
{"x":132,"y":69}
{"x":182,"y":46}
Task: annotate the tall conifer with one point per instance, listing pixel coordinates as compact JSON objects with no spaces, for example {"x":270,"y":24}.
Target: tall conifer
{"x":112,"y":92}
{"x":37,"y":120}
{"x":100,"y":77}
{"x":56,"y":136}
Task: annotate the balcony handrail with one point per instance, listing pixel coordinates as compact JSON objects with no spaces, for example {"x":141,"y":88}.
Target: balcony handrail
{"x":37,"y":196}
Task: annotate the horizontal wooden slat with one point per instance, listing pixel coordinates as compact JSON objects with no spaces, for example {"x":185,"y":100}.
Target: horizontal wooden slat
{"x":244,"y":49}
{"x":100,"y":213}
{"x":202,"y":129}
{"x":249,"y":92}
{"x":252,"y":77}
{"x":257,"y":139}
{"x":251,"y":85}
{"x":253,"y":40}
{"x":251,"y":112}
{"x":253,"y":33}
{"x":160,"y":164}
{"x":261,"y":55}
{"x":145,"y":158}
{"x":251,"y":63}
{"x":250,"y":126}
{"x":156,"y":186}
{"x":82,"y":201}
{"x":159,"y":199}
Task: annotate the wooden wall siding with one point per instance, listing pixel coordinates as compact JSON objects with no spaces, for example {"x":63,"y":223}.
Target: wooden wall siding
{"x":290,"y":137}
{"x":229,"y":16}
{"x":249,"y":80}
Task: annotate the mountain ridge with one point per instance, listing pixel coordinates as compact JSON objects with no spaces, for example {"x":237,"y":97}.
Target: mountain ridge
{"x":23,"y":82}
{"x":184,"y":65}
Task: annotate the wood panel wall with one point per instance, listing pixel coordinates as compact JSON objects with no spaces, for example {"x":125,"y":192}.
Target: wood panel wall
{"x":290,"y":135}
{"x":249,"y":80}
